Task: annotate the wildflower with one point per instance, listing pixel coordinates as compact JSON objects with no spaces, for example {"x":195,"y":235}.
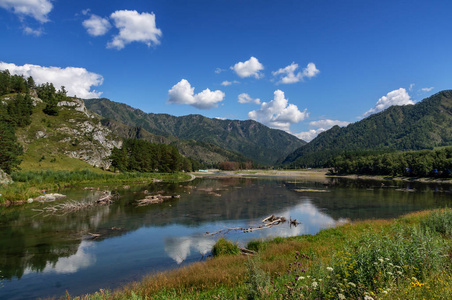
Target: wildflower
{"x":375,"y":263}
{"x":414,"y":278}
{"x":385,"y":292}
{"x":300,"y":278}
{"x":399,"y":272}
{"x":329,"y":269}
{"x":341,"y":296}
{"x":390,"y":273}
{"x":368,"y":298}
{"x":320,"y":280}
{"x":314,"y":285}
{"x":352,"y":284}
{"x":380,"y":259}
{"x":387,"y":258}
{"x":391,"y":264}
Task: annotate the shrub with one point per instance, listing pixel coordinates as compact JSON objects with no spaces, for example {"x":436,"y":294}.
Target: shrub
{"x":225,"y":247}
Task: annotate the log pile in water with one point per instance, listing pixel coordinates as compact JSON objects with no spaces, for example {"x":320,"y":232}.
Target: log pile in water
{"x":154,"y":199}
{"x":269,"y":222}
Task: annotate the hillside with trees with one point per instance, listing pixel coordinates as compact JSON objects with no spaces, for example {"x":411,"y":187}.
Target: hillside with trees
{"x":207,"y":154}
{"x":425,"y":125}
{"x":421,"y":163}
{"x":248,"y":138}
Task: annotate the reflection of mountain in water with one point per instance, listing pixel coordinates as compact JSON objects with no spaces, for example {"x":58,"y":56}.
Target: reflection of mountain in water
{"x":31,"y":243}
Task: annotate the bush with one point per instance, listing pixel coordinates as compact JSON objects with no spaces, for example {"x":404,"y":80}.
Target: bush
{"x":225,"y":247}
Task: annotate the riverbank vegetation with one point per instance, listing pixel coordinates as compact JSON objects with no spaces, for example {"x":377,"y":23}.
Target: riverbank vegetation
{"x":31,"y":184}
{"x":423,"y":163}
{"x":406,"y":258}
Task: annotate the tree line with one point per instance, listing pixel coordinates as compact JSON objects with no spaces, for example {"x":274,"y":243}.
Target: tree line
{"x":143,"y":156}
{"x":16,"y":108}
{"x":422,"y":163}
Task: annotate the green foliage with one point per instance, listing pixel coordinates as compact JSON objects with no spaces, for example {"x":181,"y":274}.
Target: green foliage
{"x":439,"y":221}
{"x":13,"y":83}
{"x":10,"y":148}
{"x":19,"y":110}
{"x":258,"y":281}
{"x":225,"y":247}
{"x":423,"y":163}
{"x":142,"y":156}
{"x":51,"y":97}
{"x":425,"y":125}
{"x":254,"y":245}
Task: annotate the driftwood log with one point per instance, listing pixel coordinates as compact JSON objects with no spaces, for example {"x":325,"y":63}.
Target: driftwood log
{"x":269,"y":222}
{"x":154,"y":199}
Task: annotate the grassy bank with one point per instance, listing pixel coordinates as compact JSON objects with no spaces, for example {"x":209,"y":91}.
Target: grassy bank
{"x":30,"y":184}
{"x":407,"y":258}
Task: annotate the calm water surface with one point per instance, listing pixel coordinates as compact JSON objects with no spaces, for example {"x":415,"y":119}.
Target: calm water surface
{"x":43,"y":255}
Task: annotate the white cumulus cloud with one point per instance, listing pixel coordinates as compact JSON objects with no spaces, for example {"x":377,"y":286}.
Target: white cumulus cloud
{"x":327,"y":123}
{"x":251,"y":67}
{"x":289,"y":75}
{"x":318,"y":127}
{"x":396,"y":97}
{"x":77,"y":81}
{"x":37,"y":9}
{"x":278,"y":113}
{"x":134,"y":27}
{"x":183,"y":93}
{"x":96,"y":25}
{"x":245,"y":98}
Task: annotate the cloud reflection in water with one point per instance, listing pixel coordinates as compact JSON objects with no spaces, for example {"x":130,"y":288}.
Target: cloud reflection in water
{"x":179,"y":248}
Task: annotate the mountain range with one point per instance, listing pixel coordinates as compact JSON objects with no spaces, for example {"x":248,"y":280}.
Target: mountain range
{"x":425,"y":125}
{"x":249,"y":139}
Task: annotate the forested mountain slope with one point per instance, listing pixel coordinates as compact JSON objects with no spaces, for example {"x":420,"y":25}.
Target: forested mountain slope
{"x":249,"y":138}
{"x":424,"y":125}
{"x":208,"y":154}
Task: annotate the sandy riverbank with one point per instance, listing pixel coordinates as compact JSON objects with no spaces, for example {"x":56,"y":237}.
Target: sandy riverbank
{"x":311,"y":173}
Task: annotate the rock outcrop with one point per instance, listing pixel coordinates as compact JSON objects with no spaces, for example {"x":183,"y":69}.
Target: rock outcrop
{"x":5,"y":178}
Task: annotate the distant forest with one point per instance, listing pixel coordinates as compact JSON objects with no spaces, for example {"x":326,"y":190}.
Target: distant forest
{"x":422,"y":163}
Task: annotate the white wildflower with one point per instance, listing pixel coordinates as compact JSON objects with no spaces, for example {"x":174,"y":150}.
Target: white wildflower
{"x":341,"y":296}
{"x":399,"y":272}
{"x":385,"y":292}
{"x":314,"y":285}
{"x":352,"y":284}
{"x":390,"y":273}
{"x":380,"y":259}
{"x":301,"y":278}
{"x":329,"y":269}
{"x":368,"y":298}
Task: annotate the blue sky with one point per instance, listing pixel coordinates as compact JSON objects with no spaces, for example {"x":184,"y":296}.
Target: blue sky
{"x":300,"y":66}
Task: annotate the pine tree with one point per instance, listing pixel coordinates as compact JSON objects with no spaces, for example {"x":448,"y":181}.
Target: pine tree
{"x":10,"y":148}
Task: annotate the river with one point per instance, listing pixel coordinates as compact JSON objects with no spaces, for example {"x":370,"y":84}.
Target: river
{"x":45,"y":254}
